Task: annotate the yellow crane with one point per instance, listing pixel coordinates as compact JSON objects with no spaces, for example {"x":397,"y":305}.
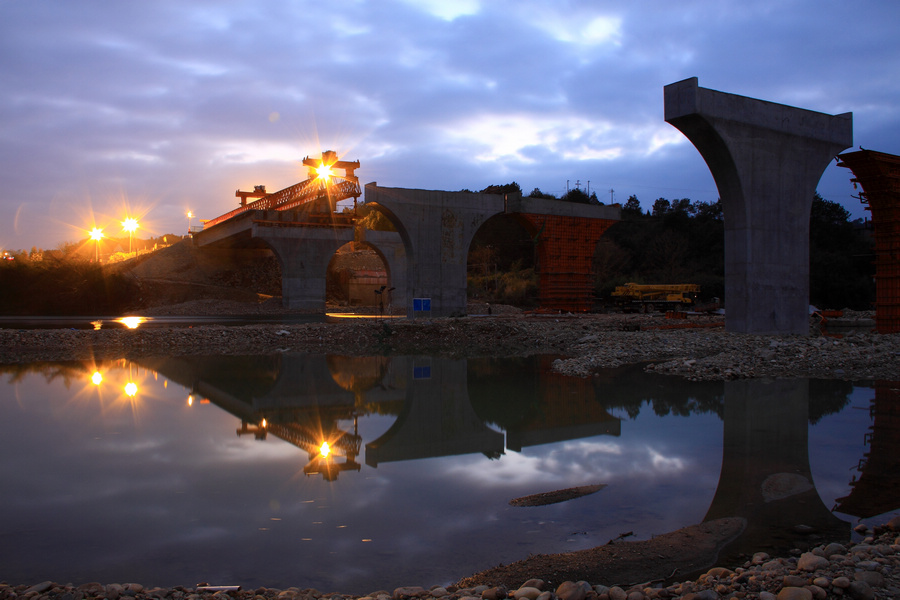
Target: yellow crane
{"x":647,"y":297}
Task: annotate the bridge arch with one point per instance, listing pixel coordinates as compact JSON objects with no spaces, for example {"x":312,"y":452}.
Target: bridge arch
{"x":438,"y":227}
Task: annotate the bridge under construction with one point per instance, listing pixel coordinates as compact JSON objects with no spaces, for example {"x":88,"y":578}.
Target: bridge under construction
{"x":426,"y":257}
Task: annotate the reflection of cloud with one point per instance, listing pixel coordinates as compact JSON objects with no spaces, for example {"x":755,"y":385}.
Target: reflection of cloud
{"x":572,"y":463}
{"x":664,"y":463}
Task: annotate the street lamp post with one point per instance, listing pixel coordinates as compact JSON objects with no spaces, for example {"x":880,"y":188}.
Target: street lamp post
{"x":129,"y":225}
{"x":190,"y":216}
{"x":96,"y":235}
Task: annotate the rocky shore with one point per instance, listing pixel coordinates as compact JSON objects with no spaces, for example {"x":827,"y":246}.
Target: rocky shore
{"x":696,"y":348}
{"x":867,"y":570}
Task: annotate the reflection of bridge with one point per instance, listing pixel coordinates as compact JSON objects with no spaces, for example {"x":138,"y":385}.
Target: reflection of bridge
{"x":427,"y":256}
{"x":446,"y":407}
{"x":300,"y":399}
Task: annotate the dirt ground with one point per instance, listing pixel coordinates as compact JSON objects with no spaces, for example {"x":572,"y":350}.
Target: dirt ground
{"x":672,"y":556}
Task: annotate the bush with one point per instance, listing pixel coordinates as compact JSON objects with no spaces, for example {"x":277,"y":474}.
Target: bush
{"x":64,"y":288}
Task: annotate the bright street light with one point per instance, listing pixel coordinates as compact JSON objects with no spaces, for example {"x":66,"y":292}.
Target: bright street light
{"x":129,"y":225}
{"x":97,"y":235}
{"x":190,"y":216}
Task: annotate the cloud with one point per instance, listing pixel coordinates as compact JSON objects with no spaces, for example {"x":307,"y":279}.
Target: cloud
{"x":181,"y":104}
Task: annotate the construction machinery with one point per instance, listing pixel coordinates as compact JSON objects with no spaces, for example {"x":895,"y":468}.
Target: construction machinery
{"x":649,"y":297}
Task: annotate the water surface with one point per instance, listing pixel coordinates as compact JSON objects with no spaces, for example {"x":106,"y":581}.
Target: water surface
{"x":210,"y":469}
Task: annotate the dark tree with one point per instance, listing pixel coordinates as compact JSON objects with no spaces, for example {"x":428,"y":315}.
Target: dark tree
{"x":660,"y":207}
{"x":841,"y":259}
{"x":537,"y":193}
{"x":500,"y":190}
{"x":576,"y":195}
{"x":632,"y":208}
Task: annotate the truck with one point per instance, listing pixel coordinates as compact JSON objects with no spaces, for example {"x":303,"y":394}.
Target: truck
{"x":633,"y":297}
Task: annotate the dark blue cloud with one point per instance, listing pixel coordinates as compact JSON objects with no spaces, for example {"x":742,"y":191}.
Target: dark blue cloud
{"x":173,"y":106}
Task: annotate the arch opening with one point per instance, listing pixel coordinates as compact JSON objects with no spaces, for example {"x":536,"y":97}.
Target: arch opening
{"x":359,"y":276}
{"x":502,"y":263}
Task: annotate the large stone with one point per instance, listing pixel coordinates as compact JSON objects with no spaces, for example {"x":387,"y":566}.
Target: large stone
{"x":570,"y":590}
{"x":794,"y":593}
{"x":494,"y":593}
{"x":412,"y":591}
{"x":617,"y":593}
{"x":860,"y":590}
{"x":526,"y":592}
{"x":873,"y":578}
{"x":812,"y":562}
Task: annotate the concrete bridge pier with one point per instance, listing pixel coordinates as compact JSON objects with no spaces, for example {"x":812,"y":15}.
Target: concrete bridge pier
{"x":437,"y":228}
{"x":766,"y":160}
{"x":304,"y":254}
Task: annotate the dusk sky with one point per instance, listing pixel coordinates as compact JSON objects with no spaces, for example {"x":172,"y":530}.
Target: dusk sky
{"x":157,"y":108}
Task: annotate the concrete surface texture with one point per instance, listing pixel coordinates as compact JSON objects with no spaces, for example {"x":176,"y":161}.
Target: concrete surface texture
{"x":767,"y":160}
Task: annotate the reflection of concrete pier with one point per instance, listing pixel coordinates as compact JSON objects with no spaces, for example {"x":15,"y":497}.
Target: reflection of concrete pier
{"x":437,"y":418}
{"x":766,"y":477}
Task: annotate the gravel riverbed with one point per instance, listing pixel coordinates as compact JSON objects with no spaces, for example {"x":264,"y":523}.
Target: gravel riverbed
{"x":696,"y":348}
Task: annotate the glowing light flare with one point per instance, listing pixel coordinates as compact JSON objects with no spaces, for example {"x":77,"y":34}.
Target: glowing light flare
{"x":131,"y":389}
{"x":130,"y":224}
{"x":264,"y":423}
{"x":131,"y":322}
{"x":324,"y":171}
{"x":96,"y":234}
{"x":96,"y":378}
{"x":325,"y":450}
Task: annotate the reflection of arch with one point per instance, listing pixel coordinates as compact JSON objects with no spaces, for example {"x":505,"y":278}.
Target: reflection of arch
{"x":437,"y":418}
{"x":536,"y":405}
{"x":357,"y":374}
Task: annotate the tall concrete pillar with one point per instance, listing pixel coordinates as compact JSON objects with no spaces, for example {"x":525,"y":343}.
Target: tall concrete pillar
{"x":437,"y":228}
{"x":304,"y":254}
{"x":766,"y":160}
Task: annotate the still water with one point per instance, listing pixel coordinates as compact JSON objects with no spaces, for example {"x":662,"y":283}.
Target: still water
{"x":211,"y":469}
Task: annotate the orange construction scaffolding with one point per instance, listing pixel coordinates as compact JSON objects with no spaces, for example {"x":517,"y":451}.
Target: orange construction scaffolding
{"x":565,"y":258}
{"x":879,"y":175}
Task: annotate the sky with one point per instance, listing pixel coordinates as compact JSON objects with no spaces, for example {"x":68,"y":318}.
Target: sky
{"x":154,"y":109}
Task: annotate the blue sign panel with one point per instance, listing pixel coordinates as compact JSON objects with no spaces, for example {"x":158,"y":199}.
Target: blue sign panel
{"x":422,"y":304}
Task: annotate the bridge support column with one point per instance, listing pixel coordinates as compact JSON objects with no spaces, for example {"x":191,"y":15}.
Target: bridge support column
{"x":304,"y":254}
{"x":437,"y":228}
{"x":766,"y":160}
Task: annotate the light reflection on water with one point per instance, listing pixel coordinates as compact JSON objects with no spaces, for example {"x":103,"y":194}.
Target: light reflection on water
{"x":212,"y":468}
